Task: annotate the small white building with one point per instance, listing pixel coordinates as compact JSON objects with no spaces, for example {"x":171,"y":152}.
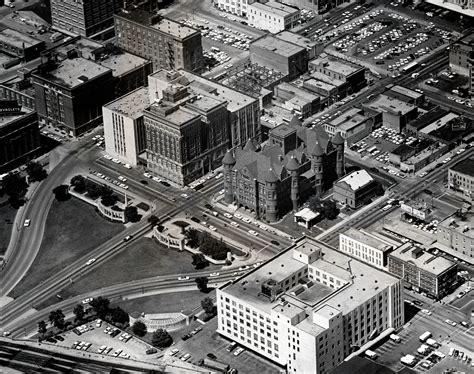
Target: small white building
{"x":124,"y":130}
{"x":273,"y":16}
{"x":306,"y":218}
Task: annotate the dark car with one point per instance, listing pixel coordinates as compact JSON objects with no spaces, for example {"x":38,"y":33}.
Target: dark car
{"x":208,"y":206}
{"x":274,"y":242}
{"x":150,"y":351}
{"x":51,"y":340}
{"x":197,"y":220}
{"x":212,"y":356}
{"x":60,"y":338}
{"x":166,"y":184}
{"x":427,"y":191}
{"x":418,"y":302}
{"x":143,"y":182}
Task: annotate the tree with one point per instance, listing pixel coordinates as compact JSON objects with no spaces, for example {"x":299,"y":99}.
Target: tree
{"x":139,"y":328}
{"x":161,"y":339}
{"x":192,"y":237}
{"x":79,"y":312}
{"x":208,"y":305}
{"x":109,"y":200}
{"x":199,"y":261}
{"x":379,"y":191}
{"x":100,"y":306}
{"x":61,"y":192}
{"x":331,"y":211}
{"x":42,"y":328}
{"x":36,"y":171}
{"x":93,"y":190}
{"x":131,"y":214}
{"x":56,"y":317}
{"x":202,"y":283}
{"x":315,"y":204}
{"x":15,"y":187}
{"x":79,"y":183}
{"x":106,"y":191}
{"x":153,"y":220}
{"x":119,"y":315}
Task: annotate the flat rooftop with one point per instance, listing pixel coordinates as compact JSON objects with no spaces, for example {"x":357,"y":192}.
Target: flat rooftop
{"x":390,"y":105}
{"x":357,"y":179}
{"x":439,"y":123}
{"x":275,"y":8}
{"x":6,"y":120}
{"x":324,"y":78}
{"x":297,"y":39}
{"x":464,"y":227}
{"x":299,"y":92}
{"x":349,"y":119}
{"x":367,"y":238}
{"x":360,"y":281}
{"x":123,"y":63}
{"x":465,"y":166}
{"x":425,"y":261}
{"x":406,"y":92}
{"x":320,"y":84}
{"x":131,"y":105}
{"x":178,"y":117}
{"x":18,"y":39}
{"x":337,"y":65}
{"x":74,"y":72}
{"x":278,"y":46}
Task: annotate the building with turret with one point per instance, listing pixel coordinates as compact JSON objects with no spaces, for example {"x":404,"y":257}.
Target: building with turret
{"x":295,"y":163}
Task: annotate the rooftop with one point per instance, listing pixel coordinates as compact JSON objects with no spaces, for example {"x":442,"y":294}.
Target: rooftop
{"x":427,"y":118}
{"x":131,"y":105}
{"x":320,"y":84}
{"x":439,"y":123}
{"x":360,"y":282}
{"x":6,"y":120}
{"x":357,"y":179}
{"x":306,"y":214}
{"x":295,"y":38}
{"x":367,"y":238}
{"x":337,"y":65}
{"x":18,"y":39}
{"x":390,"y":105}
{"x":324,"y":78}
{"x":71,"y":73}
{"x":178,"y":116}
{"x":465,"y":166}
{"x":465,"y":227}
{"x":273,"y":44}
{"x":406,"y":92}
{"x":349,"y":119}
{"x":123,"y":63}
{"x":425,"y":261}
{"x":275,"y":8}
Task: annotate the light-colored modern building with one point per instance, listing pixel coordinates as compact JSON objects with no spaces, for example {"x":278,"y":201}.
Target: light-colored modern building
{"x":423,"y":271}
{"x":124,"y":129}
{"x":166,"y":43}
{"x":461,"y":179}
{"x":365,"y":246}
{"x":239,"y":7}
{"x":309,"y":307}
{"x":272,"y":16}
{"x":458,"y":233}
{"x":355,"y":189}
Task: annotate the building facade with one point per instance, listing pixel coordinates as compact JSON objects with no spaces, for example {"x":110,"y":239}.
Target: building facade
{"x":461,"y":178}
{"x":460,"y":53}
{"x":353,"y":125}
{"x":355,"y":189}
{"x":297,"y":162}
{"x":84,"y":17}
{"x":427,"y":273}
{"x":306,"y":311}
{"x":20,"y":45}
{"x":365,"y":246}
{"x":124,"y":128}
{"x":70,"y":94}
{"x":272,"y":16}
{"x":186,"y":134}
{"x":167,"y":43}
{"x":19,"y":139}
{"x":458,"y":233}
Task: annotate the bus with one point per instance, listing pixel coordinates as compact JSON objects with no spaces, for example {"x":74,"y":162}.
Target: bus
{"x":217,"y":365}
{"x":409,"y":67}
{"x":426,"y":335}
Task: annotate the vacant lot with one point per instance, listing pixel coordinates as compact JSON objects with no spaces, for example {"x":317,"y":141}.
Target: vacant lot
{"x":141,"y":259}
{"x":68,"y":224}
{"x":7,"y":215}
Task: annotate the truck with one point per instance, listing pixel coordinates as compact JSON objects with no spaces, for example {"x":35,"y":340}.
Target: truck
{"x":425,"y":336}
{"x":395,"y":338}
{"x":423,"y":350}
{"x":370,"y":354}
{"x":408,"y":360}
{"x":432,"y":343}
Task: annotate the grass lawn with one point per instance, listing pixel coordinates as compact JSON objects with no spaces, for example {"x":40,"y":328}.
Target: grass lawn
{"x":141,"y":259}
{"x":73,"y":228}
{"x":7,"y":215}
{"x":166,"y":302}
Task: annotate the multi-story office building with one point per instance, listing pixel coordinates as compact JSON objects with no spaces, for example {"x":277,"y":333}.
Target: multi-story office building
{"x":296,"y":162}
{"x":460,"y":53}
{"x":355,"y":189}
{"x":167,"y":43}
{"x":353,"y":124}
{"x":124,"y":128}
{"x":19,"y":136}
{"x":461,"y":178}
{"x":70,"y":94}
{"x":84,"y":17}
{"x":365,"y":246}
{"x":458,"y":233}
{"x":405,"y":94}
{"x":280,"y":55}
{"x":243,"y":110}
{"x":423,"y":271}
{"x":309,"y":307}
{"x":186,"y":134}
{"x":272,"y":16}
{"x":239,"y":7}
{"x":465,"y":7}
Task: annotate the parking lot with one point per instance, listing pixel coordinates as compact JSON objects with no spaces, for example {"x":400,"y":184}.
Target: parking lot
{"x":94,"y":340}
{"x":208,"y":341}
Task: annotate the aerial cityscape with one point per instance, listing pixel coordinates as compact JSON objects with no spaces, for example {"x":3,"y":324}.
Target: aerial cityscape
{"x":237,"y":186}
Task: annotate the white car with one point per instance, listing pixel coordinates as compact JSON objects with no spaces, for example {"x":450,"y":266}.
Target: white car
{"x":185,"y":195}
{"x":156,"y":179}
{"x":452,"y":323}
{"x":107,"y":157}
{"x":227,"y":215}
{"x":27,"y":222}
{"x":427,"y":312}
{"x":252,"y":232}
{"x":238,"y":216}
{"x":238,"y":351}
{"x":214,"y":274}
{"x":213,"y":228}
{"x":87,"y":300}
{"x":147,"y":175}
{"x":183,"y":278}
{"x":247,"y":220}
{"x":121,"y":178}
{"x":174,"y":351}
{"x":127,"y":166}
{"x":235,"y":224}
{"x":90,"y":262}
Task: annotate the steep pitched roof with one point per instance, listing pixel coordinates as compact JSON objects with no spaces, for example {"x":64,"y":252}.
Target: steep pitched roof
{"x":228,"y":158}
